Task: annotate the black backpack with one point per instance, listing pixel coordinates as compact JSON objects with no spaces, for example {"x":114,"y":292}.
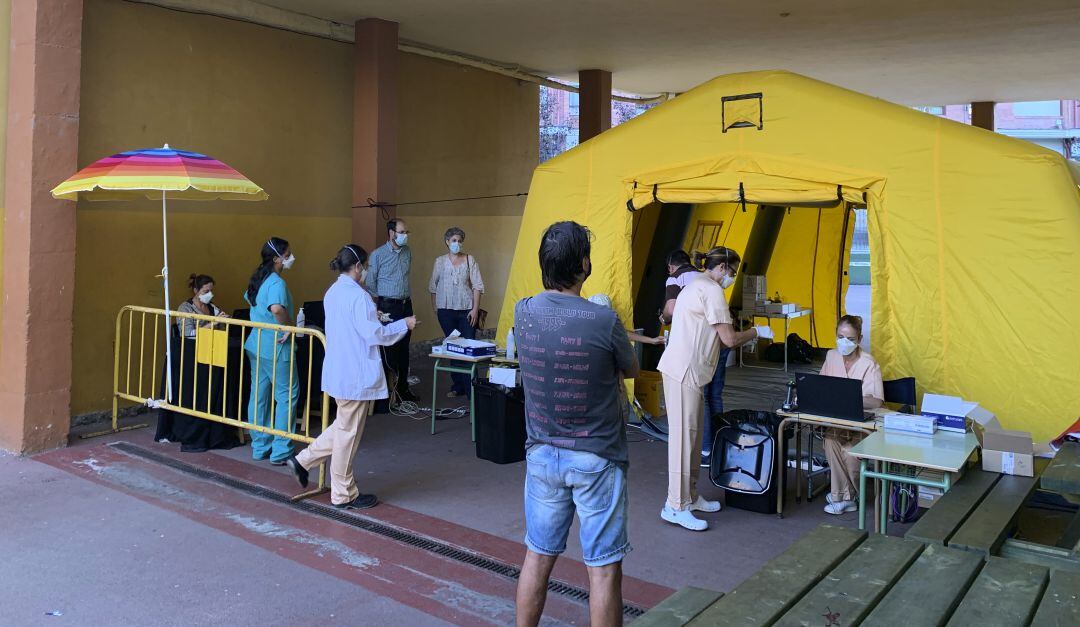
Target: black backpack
{"x":799,"y":351}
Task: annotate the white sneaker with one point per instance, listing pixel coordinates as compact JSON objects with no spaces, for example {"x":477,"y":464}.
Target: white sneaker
{"x":841,"y":507}
{"x":701,"y":505}
{"x":683,"y":518}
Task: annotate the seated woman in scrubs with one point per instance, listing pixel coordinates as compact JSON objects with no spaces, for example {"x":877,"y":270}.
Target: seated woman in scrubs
{"x":848,"y":360}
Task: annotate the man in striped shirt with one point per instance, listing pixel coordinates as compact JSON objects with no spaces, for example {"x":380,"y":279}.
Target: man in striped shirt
{"x":388,"y":281}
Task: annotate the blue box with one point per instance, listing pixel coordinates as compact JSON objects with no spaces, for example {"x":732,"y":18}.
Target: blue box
{"x":950,"y":412}
{"x":470,"y":348}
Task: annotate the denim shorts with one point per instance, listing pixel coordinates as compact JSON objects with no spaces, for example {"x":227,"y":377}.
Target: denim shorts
{"x":561,"y":481}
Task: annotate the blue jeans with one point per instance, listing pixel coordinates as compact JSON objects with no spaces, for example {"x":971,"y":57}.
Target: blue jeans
{"x":560,"y":481}
{"x":714,"y":401}
{"x":457,"y":319}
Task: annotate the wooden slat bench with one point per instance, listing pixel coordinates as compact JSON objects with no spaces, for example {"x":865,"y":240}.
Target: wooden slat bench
{"x":679,"y":608}
{"x":1006,"y":592}
{"x":836,"y":576}
{"x":986,"y":528}
{"x":785,"y":579}
{"x":1063,"y":473}
{"x":938,"y":524}
{"x":937,"y":579}
{"x":851,"y":591}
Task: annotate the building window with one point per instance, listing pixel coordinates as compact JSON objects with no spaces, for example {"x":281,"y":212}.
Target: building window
{"x":575,"y":100}
{"x":1037,"y":109}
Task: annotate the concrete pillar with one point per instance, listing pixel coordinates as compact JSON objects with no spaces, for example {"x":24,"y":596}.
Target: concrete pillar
{"x":594,"y":103}
{"x":39,"y":232}
{"x":982,"y":115}
{"x":375,"y":104}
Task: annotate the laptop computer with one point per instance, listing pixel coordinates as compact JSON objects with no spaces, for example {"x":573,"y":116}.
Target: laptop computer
{"x":834,"y":397}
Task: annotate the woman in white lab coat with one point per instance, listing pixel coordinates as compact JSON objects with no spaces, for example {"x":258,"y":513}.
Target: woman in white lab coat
{"x":352,"y":375}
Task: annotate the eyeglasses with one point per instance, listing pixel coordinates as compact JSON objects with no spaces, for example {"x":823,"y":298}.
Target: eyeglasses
{"x":402,"y":232}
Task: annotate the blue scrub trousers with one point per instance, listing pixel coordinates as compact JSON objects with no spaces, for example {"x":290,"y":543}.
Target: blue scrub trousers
{"x":271,"y":381}
{"x":714,"y":401}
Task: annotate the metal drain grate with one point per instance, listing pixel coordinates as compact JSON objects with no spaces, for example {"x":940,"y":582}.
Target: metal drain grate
{"x":400,"y":535}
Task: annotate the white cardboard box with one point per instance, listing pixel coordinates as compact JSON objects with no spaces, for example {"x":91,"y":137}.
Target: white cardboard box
{"x":950,"y":411}
{"x":908,"y":423}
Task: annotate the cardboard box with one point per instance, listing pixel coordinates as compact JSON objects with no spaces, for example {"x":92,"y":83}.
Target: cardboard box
{"x":754,"y":284}
{"x":1008,"y":452}
{"x":775,"y":308}
{"x":907,"y":423}
{"x":950,"y":411}
{"x":980,"y":419}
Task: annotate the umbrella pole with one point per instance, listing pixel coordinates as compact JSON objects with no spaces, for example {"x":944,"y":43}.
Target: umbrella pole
{"x":168,"y":317}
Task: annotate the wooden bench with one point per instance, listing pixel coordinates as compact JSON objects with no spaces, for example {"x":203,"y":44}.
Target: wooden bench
{"x":938,"y":524}
{"x":1006,"y":592}
{"x":937,"y":579}
{"x":679,"y":608}
{"x":852,"y":590}
{"x":839,"y":576}
{"x":785,"y":579}
{"x":1063,"y":473}
{"x":985,"y":529}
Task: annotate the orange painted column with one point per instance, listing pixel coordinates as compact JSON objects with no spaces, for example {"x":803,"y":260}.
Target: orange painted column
{"x":982,"y":115}
{"x":375,"y":104}
{"x":39,"y":232}
{"x":594,"y":103}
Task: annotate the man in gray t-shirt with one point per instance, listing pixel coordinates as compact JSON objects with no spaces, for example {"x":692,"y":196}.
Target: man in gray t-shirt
{"x":573,"y":354}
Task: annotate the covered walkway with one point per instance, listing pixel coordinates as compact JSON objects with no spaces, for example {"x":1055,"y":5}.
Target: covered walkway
{"x":121,"y":520}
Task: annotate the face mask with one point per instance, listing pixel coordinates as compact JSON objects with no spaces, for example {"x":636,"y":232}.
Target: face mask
{"x":845,"y":346}
{"x":288,"y":263}
{"x":206,"y":298}
{"x":363,"y":275}
{"x":455,"y":247}
{"x":727,"y":281}
{"x":401,"y":238}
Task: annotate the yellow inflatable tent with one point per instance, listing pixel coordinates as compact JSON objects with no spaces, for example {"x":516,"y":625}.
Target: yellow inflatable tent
{"x":974,"y":237}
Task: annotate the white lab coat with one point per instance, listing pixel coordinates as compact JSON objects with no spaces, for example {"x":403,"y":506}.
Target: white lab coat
{"x":352,"y":369}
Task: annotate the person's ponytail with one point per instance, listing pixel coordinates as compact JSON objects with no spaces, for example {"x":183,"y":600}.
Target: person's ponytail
{"x":273,"y":248}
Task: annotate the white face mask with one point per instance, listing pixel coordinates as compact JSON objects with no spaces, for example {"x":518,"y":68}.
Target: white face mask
{"x":845,"y":346}
{"x":288,"y":261}
{"x":727,"y":281}
{"x":206,"y":298}
{"x":363,"y":275}
{"x":401,"y":238}
{"x":455,"y":247}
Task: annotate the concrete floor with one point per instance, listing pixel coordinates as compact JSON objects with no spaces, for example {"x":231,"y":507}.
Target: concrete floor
{"x":106,"y":538}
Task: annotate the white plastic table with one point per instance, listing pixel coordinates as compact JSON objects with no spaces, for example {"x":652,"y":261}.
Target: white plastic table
{"x":945,"y":451}
{"x":452,"y":362}
{"x":787,"y":318}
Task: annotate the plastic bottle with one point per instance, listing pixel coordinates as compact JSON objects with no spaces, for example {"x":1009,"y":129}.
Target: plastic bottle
{"x":511,"y":345}
{"x":300,"y":318}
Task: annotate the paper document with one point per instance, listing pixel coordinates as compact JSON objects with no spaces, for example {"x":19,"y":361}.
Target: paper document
{"x":503,"y":376}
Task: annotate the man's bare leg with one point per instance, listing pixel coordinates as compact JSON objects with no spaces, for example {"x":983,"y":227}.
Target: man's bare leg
{"x":532,"y":588}
{"x":605,"y":595}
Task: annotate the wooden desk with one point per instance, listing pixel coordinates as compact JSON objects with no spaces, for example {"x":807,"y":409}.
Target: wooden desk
{"x":812,"y":420}
{"x":445,"y":362}
{"x":945,"y":451}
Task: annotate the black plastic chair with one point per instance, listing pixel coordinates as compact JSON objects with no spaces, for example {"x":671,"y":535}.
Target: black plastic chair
{"x":901,"y":392}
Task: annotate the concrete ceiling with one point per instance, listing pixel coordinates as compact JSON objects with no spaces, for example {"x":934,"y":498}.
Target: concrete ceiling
{"x":910,"y":51}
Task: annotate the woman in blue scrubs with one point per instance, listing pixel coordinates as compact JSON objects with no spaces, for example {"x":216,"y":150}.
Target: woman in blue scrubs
{"x":274,"y":384}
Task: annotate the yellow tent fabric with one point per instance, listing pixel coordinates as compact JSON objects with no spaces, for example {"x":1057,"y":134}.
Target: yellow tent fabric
{"x":974,"y":236}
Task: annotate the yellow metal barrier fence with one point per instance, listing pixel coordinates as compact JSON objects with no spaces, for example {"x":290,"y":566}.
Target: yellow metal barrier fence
{"x":217,"y":343}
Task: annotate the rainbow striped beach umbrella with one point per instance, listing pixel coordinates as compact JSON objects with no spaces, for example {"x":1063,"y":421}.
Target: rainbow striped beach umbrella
{"x":163,"y":173}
